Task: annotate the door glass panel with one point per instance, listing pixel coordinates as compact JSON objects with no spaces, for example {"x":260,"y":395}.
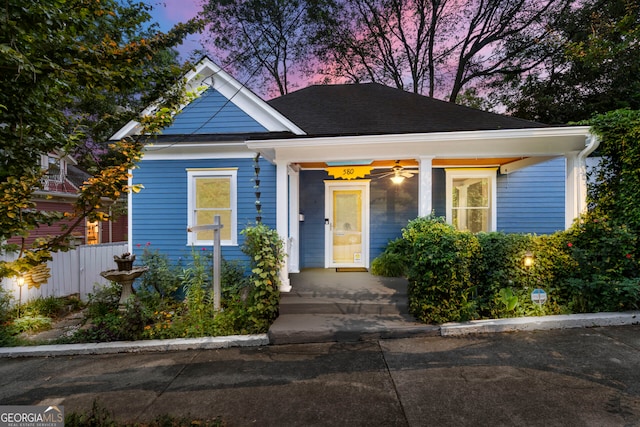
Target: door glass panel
{"x":347,"y":226}
{"x":471,"y":204}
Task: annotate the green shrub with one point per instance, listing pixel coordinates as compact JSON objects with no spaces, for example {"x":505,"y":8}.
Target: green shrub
{"x":233,"y":279}
{"x":499,"y":273}
{"x":266,"y":252}
{"x":607,"y":270}
{"x":31,"y":323}
{"x":196,"y":282}
{"x":49,"y":306}
{"x":105,"y":321}
{"x":114,"y":324}
{"x":603,"y":294}
{"x":5,"y":305}
{"x":100,"y":416}
{"x":392,"y":262}
{"x":603,"y":248}
{"x":613,"y":191}
{"x":103,"y":300}
{"x":504,"y":284}
{"x":439,"y":271}
{"x":249,"y":305}
{"x":456,"y":276}
{"x":162,"y":279}
{"x":7,"y":333}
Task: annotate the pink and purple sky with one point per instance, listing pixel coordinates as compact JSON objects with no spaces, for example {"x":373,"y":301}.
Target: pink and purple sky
{"x":168,"y":13}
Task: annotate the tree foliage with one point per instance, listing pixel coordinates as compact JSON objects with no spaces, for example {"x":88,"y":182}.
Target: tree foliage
{"x":63,"y":63}
{"x":435,"y":47}
{"x":266,"y":39}
{"x":613,"y":192}
{"x":592,"y":66}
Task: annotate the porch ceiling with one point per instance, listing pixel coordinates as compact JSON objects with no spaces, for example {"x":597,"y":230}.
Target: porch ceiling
{"x":386,"y":164}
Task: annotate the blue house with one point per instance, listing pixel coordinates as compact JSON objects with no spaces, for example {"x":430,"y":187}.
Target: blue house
{"x":341,"y":169}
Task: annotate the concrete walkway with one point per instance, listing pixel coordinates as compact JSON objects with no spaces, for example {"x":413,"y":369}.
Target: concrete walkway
{"x":325,"y":305}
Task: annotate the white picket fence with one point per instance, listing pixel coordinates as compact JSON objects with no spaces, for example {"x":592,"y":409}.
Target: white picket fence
{"x":74,"y":272}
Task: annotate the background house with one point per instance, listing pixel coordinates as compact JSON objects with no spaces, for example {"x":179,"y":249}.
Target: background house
{"x":327,"y":156}
{"x":59,"y":192}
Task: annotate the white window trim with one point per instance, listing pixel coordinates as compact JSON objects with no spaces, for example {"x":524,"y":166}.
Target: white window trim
{"x":212,"y":172}
{"x":489,"y":173}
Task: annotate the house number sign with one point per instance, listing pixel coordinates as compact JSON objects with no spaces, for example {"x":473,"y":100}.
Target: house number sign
{"x":539,"y":296}
{"x":348,"y":172}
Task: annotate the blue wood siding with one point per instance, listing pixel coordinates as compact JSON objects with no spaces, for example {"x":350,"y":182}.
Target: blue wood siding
{"x":312,"y":228}
{"x":159,"y":211}
{"x":532,"y":200}
{"x":392,"y":207}
{"x":212,"y":113}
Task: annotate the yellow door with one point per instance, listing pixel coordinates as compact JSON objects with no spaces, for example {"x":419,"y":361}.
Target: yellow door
{"x":347,"y":224}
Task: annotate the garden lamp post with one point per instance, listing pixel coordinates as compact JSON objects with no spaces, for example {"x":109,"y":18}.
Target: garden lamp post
{"x":20,"y":282}
{"x":538,"y":295}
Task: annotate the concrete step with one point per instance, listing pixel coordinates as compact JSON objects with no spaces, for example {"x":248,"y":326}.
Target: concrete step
{"x":307,"y":328}
{"x":293,"y":304}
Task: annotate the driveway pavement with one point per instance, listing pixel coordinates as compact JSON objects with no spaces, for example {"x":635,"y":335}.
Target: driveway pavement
{"x":569,"y":377}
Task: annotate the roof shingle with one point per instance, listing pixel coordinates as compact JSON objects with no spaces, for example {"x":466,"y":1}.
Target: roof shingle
{"x":375,"y":109}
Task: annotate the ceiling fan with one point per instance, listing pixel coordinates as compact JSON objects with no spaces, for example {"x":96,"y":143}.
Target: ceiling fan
{"x":398,"y":173}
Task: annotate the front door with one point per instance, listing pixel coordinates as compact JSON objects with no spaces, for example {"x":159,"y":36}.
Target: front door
{"x":347,"y":223}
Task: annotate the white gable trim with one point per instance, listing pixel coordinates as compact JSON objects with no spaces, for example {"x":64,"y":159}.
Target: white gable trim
{"x":207,"y":74}
{"x":248,"y":101}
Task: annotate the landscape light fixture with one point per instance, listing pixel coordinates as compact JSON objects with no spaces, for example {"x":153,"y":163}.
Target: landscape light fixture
{"x":528,"y":259}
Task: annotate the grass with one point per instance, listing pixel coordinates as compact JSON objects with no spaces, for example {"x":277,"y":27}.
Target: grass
{"x":35,"y":316}
{"x":99,"y":416}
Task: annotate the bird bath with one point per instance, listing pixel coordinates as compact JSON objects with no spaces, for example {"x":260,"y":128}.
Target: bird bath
{"x":124,"y":276}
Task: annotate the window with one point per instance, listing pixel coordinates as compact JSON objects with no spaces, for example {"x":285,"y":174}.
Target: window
{"x":212,"y":192}
{"x":93,"y":233}
{"x":54,"y":170}
{"x":471,"y":199}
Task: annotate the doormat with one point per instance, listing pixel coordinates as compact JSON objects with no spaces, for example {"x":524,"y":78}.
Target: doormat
{"x":351,"y":269}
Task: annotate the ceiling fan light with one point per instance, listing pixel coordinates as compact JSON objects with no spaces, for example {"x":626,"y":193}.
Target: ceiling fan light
{"x":397,"y":179}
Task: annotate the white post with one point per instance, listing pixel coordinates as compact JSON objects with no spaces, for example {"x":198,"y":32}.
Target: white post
{"x":217,"y":294}
{"x":217,"y":256}
{"x":294,"y":220}
{"x":282,"y":220}
{"x":572,"y":188}
{"x":425,"y":186}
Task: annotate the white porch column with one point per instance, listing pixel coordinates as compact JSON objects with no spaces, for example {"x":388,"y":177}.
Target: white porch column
{"x":573,"y":186}
{"x":282,"y":220}
{"x":294,"y":220}
{"x":425,"y":186}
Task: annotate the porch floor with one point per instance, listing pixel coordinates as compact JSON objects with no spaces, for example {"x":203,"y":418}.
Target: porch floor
{"x":325,"y":305}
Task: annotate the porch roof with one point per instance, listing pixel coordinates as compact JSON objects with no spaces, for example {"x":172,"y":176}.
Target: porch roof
{"x":503,"y":144}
